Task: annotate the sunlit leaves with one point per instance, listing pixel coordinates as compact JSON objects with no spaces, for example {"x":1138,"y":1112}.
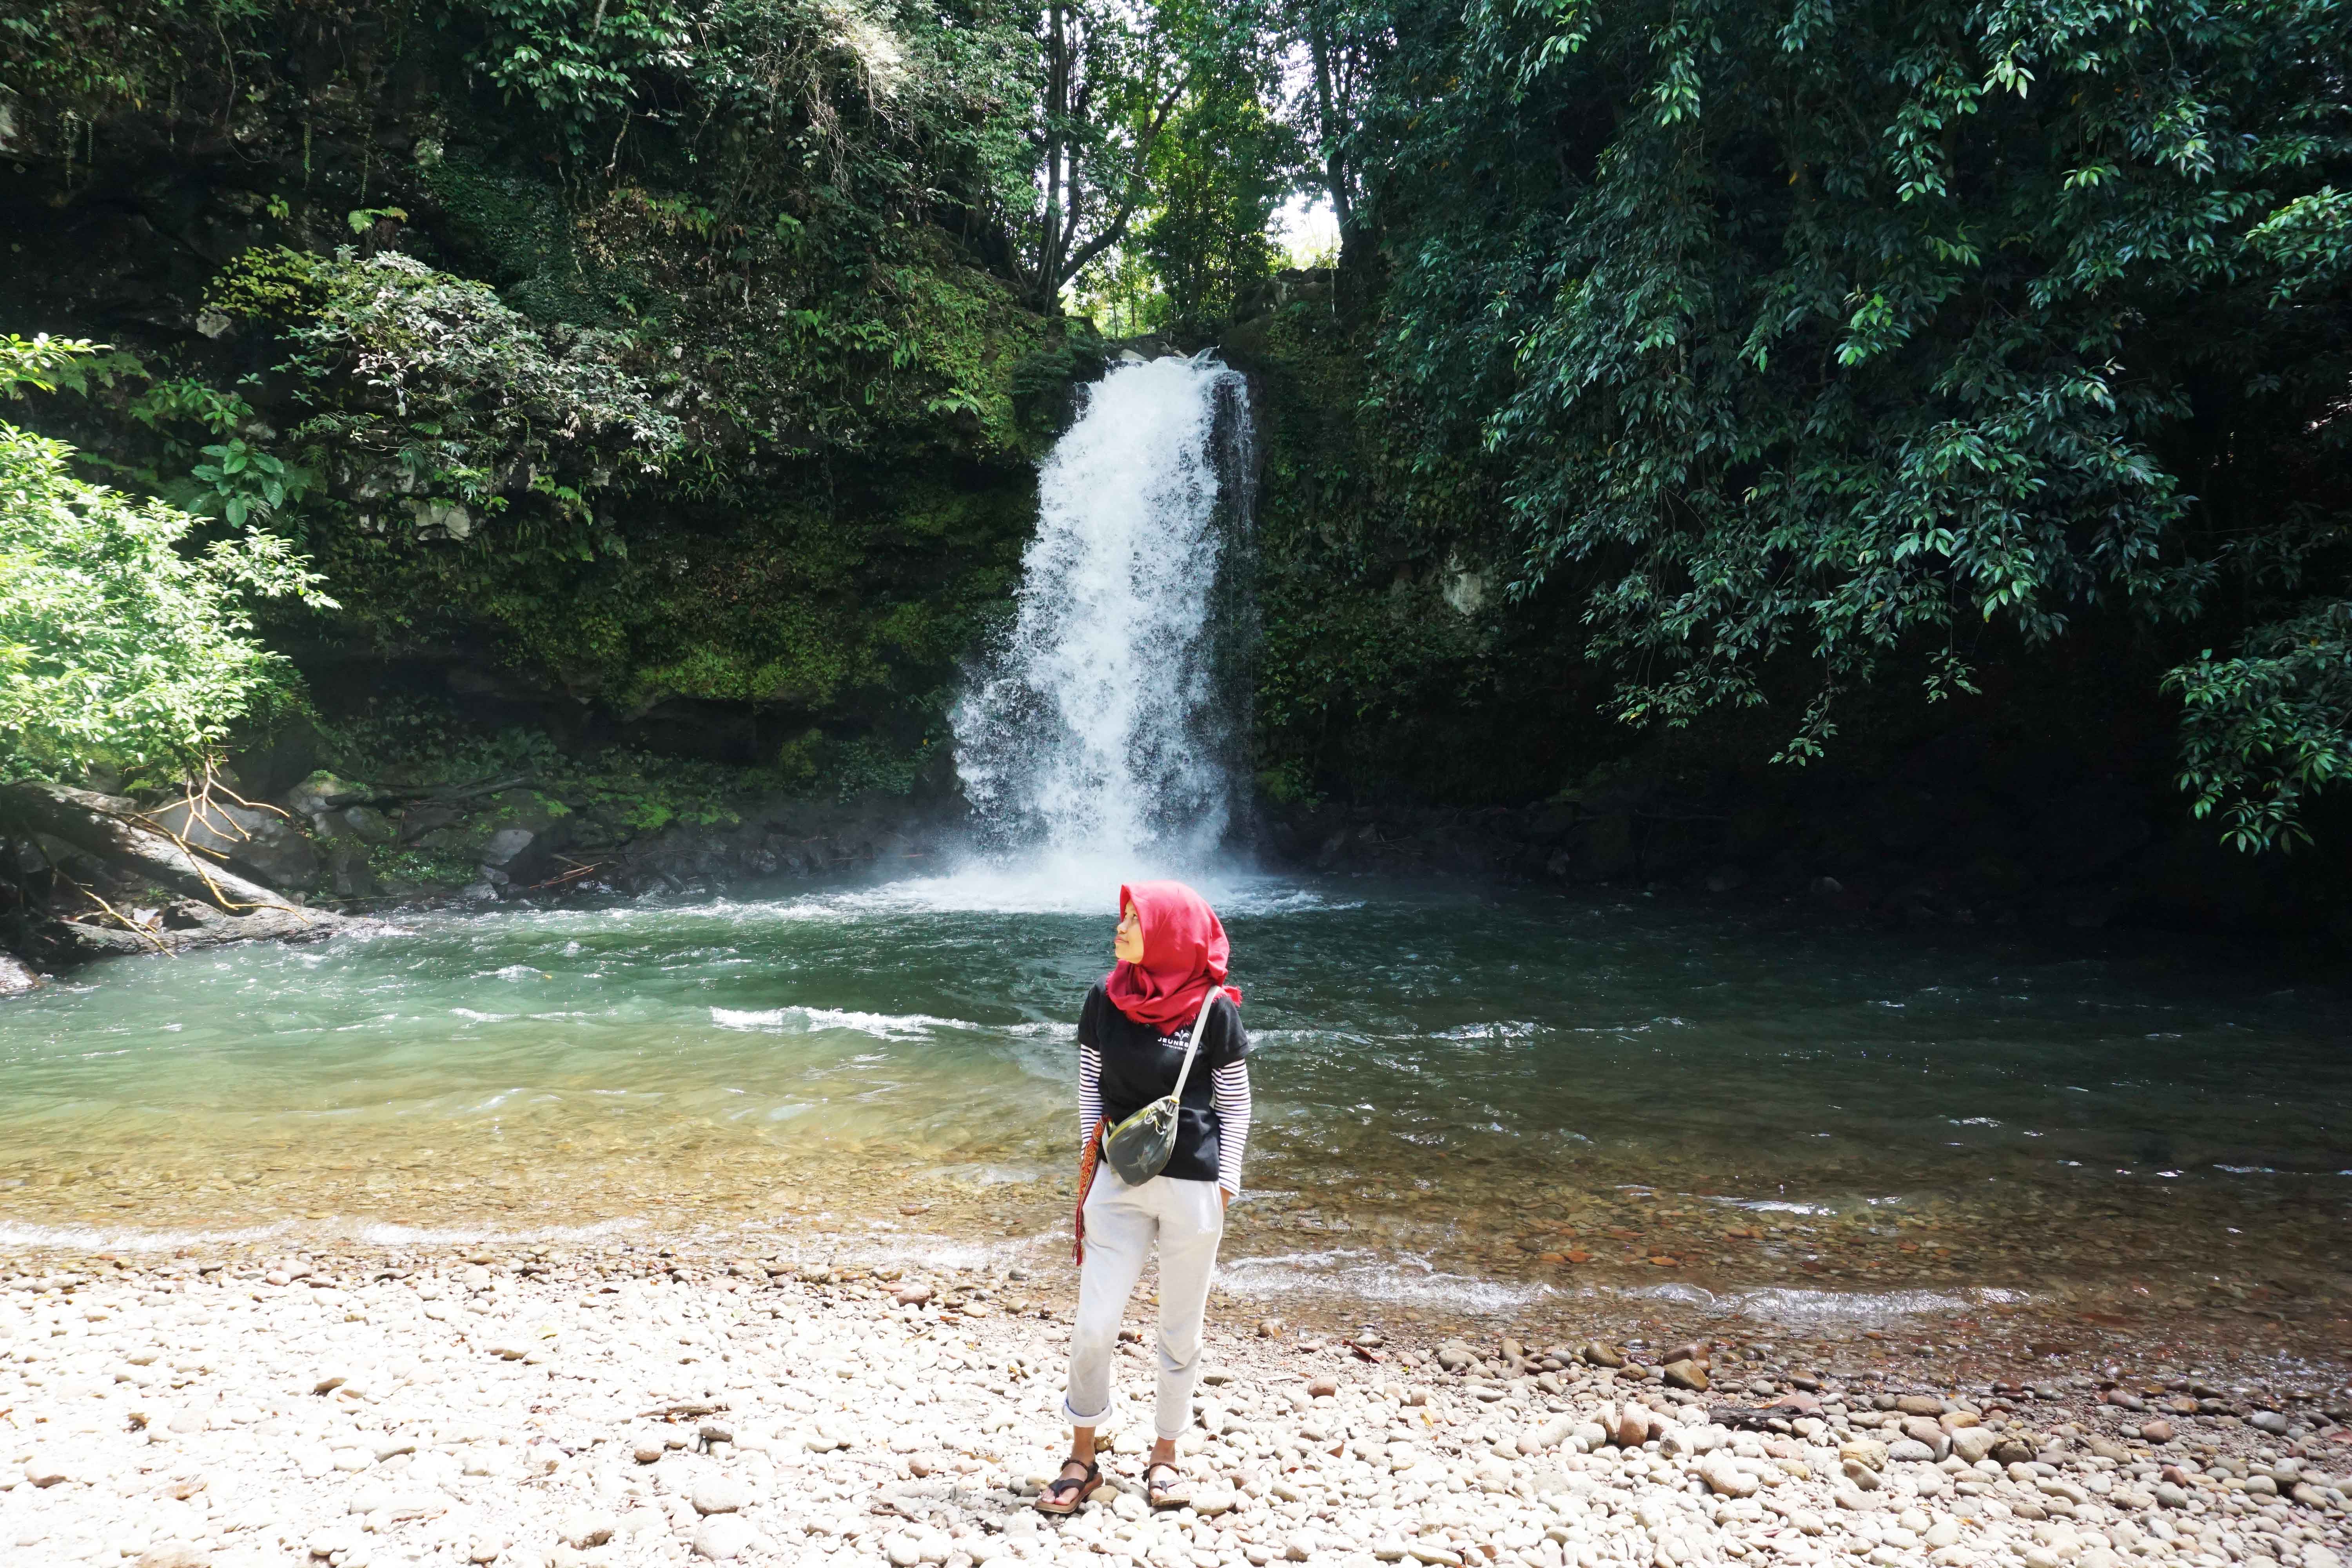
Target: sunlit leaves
{"x":119,"y":641}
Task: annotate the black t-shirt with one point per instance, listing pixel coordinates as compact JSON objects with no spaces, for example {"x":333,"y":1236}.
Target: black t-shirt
{"x":1140,"y":1065}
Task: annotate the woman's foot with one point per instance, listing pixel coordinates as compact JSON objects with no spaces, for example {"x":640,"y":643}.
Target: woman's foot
{"x":1164,"y":1485}
{"x":1069,"y":1489}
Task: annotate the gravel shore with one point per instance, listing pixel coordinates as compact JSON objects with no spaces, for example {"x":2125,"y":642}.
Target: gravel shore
{"x":530,"y":1411}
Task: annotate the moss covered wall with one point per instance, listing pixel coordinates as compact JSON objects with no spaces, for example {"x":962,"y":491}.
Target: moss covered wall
{"x":710,"y":444}
{"x":1391,"y":668}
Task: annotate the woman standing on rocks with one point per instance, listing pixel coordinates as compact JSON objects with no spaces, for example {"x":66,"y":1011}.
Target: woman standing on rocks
{"x":1165,"y":996}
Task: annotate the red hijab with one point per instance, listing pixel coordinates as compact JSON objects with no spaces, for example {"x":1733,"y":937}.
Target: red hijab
{"x":1184,"y":953}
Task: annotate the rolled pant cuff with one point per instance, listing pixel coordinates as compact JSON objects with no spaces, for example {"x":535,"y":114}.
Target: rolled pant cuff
{"x":1075,"y":1419}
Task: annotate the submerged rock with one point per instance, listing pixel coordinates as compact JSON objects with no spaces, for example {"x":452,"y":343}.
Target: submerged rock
{"x":16,"y":977}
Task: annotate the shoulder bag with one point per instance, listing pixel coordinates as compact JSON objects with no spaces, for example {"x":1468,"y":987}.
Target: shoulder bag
{"x":1138,"y":1148}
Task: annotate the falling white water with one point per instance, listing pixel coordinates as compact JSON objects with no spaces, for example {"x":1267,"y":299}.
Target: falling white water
{"x":1097,"y":733}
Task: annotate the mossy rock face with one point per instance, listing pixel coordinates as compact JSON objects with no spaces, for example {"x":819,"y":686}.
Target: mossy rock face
{"x":460,"y":842}
{"x":325,"y":792}
{"x":840,"y":586}
{"x":511,"y":228}
{"x":704,"y":422}
{"x":1380,"y":671}
{"x":525,"y":808}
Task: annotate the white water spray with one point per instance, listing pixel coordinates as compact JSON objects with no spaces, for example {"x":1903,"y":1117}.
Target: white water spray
{"x":1098,"y":732}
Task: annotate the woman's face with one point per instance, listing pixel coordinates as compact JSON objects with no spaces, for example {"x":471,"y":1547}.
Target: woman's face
{"x":1128,"y":945}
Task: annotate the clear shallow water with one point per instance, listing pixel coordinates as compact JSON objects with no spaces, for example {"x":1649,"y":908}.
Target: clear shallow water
{"x":1465,"y":1099}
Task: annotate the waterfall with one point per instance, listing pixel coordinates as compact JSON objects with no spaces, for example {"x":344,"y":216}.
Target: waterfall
{"x":1102,"y":728}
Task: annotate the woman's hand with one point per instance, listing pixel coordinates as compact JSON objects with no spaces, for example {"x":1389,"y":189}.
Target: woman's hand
{"x":1225,"y":1199}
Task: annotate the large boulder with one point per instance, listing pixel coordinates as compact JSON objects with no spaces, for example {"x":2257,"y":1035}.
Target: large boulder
{"x":350,"y":872}
{"x":262,"y":843}
{"x":1603,"y":849}
{"x":322,"y":792}
{"x":16,"y":977}
{"x":370,"y":825}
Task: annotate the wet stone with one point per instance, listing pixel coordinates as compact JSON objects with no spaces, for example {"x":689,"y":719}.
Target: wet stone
{"x":1687,"y":1374}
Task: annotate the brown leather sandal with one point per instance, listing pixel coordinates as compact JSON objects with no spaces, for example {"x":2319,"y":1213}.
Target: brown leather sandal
{"x":1067,"y":1491}
{"x":1174,"y":1493}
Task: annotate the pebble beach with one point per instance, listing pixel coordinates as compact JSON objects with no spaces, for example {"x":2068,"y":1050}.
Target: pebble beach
{"x":533,"y":1409}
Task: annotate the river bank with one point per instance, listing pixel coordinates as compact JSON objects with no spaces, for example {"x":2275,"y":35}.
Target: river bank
{"x":574,"y":1404}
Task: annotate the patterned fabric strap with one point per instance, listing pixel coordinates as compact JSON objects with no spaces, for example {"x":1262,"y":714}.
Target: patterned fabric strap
{"x":1088,"y":1158}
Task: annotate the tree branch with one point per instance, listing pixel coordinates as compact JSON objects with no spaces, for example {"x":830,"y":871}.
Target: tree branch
{"x":109,"y":827}
{"x":1117,"y":228}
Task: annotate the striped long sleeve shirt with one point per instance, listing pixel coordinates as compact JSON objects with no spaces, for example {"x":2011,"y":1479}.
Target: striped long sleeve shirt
{"x":1232,"y":1097}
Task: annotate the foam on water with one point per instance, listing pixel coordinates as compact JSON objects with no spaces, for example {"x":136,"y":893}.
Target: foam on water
{"x":1802,"y":1308}
{"x":1046,"y":883}
{"x":1402,"y":1278}
{"x":115,"y":1238}
{"x":793,"y":1020}
{"x":385,"y":1235}
{"x":1032,"y":882}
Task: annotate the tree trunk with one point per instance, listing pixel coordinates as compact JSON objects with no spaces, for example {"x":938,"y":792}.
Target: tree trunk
{"x":1335,"y":173}
{"x":60,"y":943}
{"x":219,"y":905}
{"x":1050,"y":241}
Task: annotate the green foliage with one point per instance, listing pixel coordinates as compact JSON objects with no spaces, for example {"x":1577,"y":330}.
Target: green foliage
{"x":191,"y":401}
{"x":1367,"y":678}
{"x":871,"y":764}
{"x":271,"y":283}
{"x":2266,"y":731}
{"x":117,"y":646}
{"x":1119,"y":293}
{"x":60,"y":364}
{"x":1289,"y":782}
{"x":2308,"y":240}
{"x":514,"y":230}
{"x":1217,"y":179}
{"x":482,"y":472}
{"x":242,"y":484}
{"x":430,"y":387}
{"x":577,"y":63}
{"x":1111,"y":78}
{"x":237,"y":482}
{"x":360,"y":220}
{"x":122,"y":51}
{"x":1807,"y":345}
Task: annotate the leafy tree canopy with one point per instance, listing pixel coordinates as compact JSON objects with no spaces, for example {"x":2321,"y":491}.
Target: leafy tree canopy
{"x":1217,"y":183}
{"x":120,"y":644}
{"x":1845,"y":340}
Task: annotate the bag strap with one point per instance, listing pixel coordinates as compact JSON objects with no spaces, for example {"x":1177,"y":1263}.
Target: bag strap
{"x":1194,"y":1044}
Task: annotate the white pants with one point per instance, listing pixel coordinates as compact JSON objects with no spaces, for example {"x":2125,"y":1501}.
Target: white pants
{"x":1187,"y":1219}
